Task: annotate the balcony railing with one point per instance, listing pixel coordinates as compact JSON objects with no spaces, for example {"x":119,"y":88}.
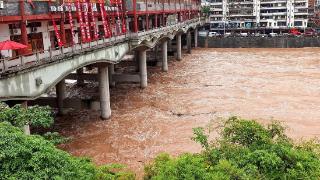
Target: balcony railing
{"x":272,"y":1}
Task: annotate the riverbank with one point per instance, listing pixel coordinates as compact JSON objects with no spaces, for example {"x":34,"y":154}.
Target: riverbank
{"x":260,"y":42}
{"x":262,"y":84}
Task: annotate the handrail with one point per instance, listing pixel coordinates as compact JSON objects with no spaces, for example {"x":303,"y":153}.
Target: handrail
{"x":52,"y":54}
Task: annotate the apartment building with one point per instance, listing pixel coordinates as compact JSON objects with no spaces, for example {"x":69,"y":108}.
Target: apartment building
{"x":258,"y":14}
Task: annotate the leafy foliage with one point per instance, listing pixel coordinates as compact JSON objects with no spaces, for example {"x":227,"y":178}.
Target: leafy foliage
{"x":55,"y":138}
{"x":200,"y":137}
{"x":19,"y":116}
{"x":245,"y":150}
{"x":205,"y":10}
{"x":32,"y":157}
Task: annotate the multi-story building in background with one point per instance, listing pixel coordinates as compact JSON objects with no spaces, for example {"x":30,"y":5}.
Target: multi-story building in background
{"x":314,"y":14}
{"x":259,"y":14}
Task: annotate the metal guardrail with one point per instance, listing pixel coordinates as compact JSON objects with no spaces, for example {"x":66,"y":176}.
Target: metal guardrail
{"x":47,"y":56}
{"x":23,"y":62}
{"x":164,"y":29}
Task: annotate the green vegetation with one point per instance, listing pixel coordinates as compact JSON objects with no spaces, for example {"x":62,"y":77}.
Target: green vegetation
{"x":33,"y":157}
{"x":18,"y":116}
{"x":245,"y":150}
{"x":55,"y":138}
{"x":205,"y":10}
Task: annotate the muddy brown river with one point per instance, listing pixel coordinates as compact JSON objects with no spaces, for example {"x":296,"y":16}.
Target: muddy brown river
{"x":209,"y":84}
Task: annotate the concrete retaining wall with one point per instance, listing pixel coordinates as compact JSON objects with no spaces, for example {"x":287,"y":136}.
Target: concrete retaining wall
{"x":260,"y":42}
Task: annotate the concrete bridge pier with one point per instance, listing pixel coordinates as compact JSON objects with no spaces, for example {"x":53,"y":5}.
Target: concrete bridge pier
{"x":136,"y":60}
{"x":189,"y":42}
{"x":104,"y":91}
{"x":196,"y":38}
{"x":26,"y":128}
{"x":143,"y":68}
{"x":61,"y":95}
{"x":178,"y":39}
{"x":165,"y":56}
{"x":170,"y":45}
{"x":111,"y":72}
{"x":156,"y":53}
{"x":159,"y":61}
{"x":80,"y":81}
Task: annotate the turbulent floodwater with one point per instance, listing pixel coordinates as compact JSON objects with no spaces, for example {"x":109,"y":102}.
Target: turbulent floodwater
{"x":263,"y":84}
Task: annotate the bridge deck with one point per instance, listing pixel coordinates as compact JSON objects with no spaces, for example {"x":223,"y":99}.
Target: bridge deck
{"x":35,"y":60}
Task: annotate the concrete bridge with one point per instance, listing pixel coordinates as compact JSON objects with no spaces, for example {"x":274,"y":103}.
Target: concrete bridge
{"x":27,"y":78}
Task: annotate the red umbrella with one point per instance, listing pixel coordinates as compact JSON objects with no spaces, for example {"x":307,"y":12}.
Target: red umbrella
{"x":11,"y":45}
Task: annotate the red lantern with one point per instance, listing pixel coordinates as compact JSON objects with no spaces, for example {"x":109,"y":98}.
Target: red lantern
{"x":57,"y":33}
{"x":86,"y":20}
{"x":71,"y":23}
{"x":104,"y":21}
{"x":79,"y":10}
{"x":93,"y":22}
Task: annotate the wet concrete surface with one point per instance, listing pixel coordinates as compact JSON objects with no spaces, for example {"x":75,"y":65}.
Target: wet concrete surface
{"x":209,"y":84}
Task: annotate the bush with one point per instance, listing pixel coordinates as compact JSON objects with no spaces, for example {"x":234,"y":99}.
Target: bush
{"x":32,"y":157}
{"x":245,"y":150}
{"x":18,"y":116}
{"x":55,"y":138}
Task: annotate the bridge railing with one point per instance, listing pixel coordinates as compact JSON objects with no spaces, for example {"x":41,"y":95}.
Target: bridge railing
{"x":53,"y":54}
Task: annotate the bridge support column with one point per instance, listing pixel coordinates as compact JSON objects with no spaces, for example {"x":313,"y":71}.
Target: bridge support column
{"x":80,"y":81}
{"x":165,"y":56}
{"x":178,"y":39}
{"x":26,"y":128}
{"x":170,"y":45}
{"x":196,"y":38}
{"x":111,"y":72}
{"x":61,"y":95}
{"x":159,"y":62}
{"x":104,"y":91}
{"x":143,"y":68}
{"x":136,"y":59}
{"x":189,"y":42}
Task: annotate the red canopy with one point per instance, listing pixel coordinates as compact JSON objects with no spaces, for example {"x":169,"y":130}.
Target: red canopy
{"x":10,"y":45}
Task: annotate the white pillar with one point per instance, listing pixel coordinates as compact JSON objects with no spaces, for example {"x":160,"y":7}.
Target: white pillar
{"x":178,"y":39}
{"x":26,"y":128}
{"x":143,"y":68}
{"x":189,"y":42}
{"x":61,"y":95}
{"x":165,"y":56}
{"x":111,"y":72}
{"x":158,"y":61}
{"x":104,"y":91}
{"x":196,"y":38}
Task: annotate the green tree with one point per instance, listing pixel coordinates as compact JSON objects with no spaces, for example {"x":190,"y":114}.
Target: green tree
{"x":205,"y":10}
{"x":32,"y":157}
{"x":19,"y":116}
{"x":245,"y":150}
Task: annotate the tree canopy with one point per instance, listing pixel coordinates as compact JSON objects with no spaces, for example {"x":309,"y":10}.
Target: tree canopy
{"x":245,"y":150}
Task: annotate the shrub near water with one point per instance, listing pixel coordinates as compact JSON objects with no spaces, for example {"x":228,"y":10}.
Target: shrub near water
{"x":37,"y":116}
{"x":245,"y":150}
{"x":35,"y":157}
{"x":32,"y":157}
